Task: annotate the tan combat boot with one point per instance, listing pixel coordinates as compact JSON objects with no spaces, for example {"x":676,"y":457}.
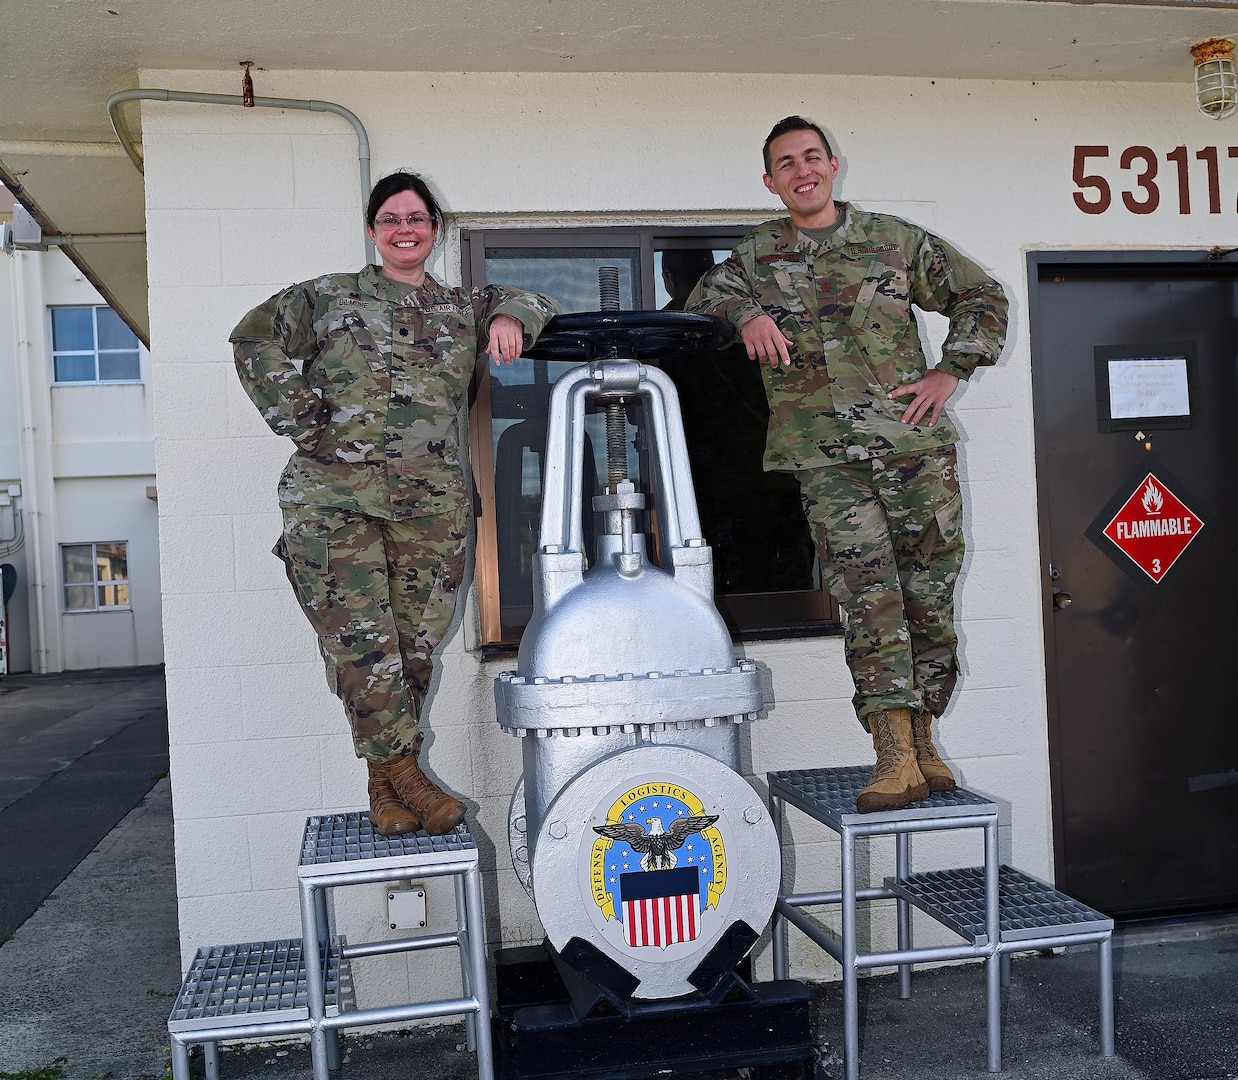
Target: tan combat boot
{"x":936,"y":772}
{"x":388,"y":813}
{"x":896,"y":779}
{"x":438,"y":811}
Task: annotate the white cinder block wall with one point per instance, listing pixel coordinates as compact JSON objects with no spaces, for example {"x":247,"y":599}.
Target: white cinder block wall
{"x":241,"y":203}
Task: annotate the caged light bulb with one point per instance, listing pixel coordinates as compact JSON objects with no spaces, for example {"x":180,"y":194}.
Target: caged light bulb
{"x":1216,"y":84}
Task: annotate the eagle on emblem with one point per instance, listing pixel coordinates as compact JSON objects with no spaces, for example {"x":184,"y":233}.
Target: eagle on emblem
{"x":657,"y":846}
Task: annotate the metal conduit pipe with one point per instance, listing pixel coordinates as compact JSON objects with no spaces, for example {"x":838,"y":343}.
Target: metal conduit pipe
{"x":305,"y":105}
{"x":73,"y":239}
{"x":32,"y":490}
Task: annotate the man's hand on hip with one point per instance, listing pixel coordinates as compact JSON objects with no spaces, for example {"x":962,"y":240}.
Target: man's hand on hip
{"x":931,"y":392}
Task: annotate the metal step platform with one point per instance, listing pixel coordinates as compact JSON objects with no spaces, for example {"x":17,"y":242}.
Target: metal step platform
{"x":995,"y":909}
{"x":829,"y":796}
{"x":276,"y":988}
{"x":1032,"y":914}
{"x":252,"y":990}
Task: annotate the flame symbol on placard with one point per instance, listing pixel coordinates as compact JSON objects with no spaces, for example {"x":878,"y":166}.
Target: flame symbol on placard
{"x":1153,"y":500}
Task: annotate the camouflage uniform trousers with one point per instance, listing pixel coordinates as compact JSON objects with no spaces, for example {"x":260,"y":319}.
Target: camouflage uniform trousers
{"x":890,"y":537}
{"x":380,"y":595}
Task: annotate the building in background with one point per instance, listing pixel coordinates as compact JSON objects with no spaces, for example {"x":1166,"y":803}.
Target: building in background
{"x":78,"y":520}
{"x":1058,"y":144}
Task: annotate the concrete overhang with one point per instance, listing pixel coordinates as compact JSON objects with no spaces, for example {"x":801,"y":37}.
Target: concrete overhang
{"x":61,"y":61}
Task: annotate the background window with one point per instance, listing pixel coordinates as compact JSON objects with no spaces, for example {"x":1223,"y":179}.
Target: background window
{"x":93,"y":344}
{"x":766,"y":578}
{"x":96,"y":576}
{"x":753,"y":519}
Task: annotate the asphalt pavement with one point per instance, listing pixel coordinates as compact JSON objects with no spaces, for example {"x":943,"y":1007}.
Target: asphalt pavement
{"x":87,"y":979}
{"x":77,"y":753}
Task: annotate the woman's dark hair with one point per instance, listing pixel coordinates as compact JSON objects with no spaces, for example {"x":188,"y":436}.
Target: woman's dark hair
{"x":793,"y":123}
{"x":396,"y":182}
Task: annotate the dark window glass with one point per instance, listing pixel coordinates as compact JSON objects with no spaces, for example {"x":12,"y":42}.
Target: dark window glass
{"x":73,"y":329}
{"x":113,"y":333}
{"x":570,"y":275}
{"x":119,"y":367}
{"x":95,"y":575}
{"x":75,"y":367}
{"x":79,"y":563}
{"x":767,"y":580}
{"x":79,"y":597}
{"x":112,"y":561}
{"x":752,"y":519}
{"x":93,"y":344}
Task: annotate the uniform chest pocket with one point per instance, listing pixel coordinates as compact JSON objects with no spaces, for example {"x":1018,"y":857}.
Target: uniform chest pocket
{"x":785,"y":291}
{"x":351,"y":343}
{"x":431,"y":347}
{"x":429,"y":440}
{"x":882,"y":305}
{"x":448,"y":323}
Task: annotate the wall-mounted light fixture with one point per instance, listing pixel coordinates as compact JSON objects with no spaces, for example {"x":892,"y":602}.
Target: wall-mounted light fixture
{"x":1216,"y":84}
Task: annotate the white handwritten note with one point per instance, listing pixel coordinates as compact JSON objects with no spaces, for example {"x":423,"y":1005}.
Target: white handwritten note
{"x":1148,"y":386}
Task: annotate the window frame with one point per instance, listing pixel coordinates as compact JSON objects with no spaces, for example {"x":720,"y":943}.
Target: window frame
{"x":98,"y":582}
{"x":790,"y":614}
{"x":95,"y":353}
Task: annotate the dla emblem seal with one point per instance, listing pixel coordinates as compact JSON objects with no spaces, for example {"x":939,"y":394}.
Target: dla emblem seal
{"x":657,"y":867}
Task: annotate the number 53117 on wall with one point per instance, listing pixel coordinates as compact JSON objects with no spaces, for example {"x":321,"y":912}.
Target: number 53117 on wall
{"x":1140,"y":193}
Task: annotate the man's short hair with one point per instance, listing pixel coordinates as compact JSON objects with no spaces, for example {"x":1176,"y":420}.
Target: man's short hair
{"x":793,"y":123}
{"x":687,"y":264}
{"x":682,"y":268}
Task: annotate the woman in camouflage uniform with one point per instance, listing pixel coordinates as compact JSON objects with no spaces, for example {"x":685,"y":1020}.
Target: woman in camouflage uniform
{"x":368,"y":373}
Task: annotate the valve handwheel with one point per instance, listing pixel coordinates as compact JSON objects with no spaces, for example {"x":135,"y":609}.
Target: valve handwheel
{"x":629,"y":335}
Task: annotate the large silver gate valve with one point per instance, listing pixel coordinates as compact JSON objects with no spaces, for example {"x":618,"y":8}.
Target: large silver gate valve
{"x":641,"y":843}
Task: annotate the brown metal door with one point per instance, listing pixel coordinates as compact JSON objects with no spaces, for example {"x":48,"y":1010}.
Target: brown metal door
{"x":1142,"y":662}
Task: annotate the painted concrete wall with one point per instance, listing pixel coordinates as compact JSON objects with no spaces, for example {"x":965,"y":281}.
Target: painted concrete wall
{"x":91,"y":509}
{"x":241,"y":203}
{"x":83,"y":457}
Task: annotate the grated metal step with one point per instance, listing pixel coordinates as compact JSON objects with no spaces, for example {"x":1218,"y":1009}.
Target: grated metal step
{"x":333,"y":839}
{"x":829,"y":796}
{"x":254,"y":982}
{"x":1028,"y":907}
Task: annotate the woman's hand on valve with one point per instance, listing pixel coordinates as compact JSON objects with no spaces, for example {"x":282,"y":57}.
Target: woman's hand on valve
{"x":506,"y":339}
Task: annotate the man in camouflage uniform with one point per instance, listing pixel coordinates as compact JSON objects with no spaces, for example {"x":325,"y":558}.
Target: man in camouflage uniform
{"x":823,"y":299}
{"x":368,"y":376}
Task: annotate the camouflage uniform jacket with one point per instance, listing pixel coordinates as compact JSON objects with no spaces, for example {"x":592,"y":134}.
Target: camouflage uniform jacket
{"x":846,"y":306}
{"x":368,"y":376}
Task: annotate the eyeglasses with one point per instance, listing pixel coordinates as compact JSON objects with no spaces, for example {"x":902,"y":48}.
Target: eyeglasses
{"x":391,"y":221}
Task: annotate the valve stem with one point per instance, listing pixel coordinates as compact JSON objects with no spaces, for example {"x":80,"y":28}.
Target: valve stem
{"x":608,"y":288}
{"x":616,"y":422}
{"x":616,"y":444}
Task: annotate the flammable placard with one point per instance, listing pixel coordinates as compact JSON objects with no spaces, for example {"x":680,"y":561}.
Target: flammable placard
{"x":1153,"y":527}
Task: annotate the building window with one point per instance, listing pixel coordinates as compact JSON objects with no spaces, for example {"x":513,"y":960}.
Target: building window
{"x":96,"y":576}
{"x":767,"y":581}
{"x":93,"y":345}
